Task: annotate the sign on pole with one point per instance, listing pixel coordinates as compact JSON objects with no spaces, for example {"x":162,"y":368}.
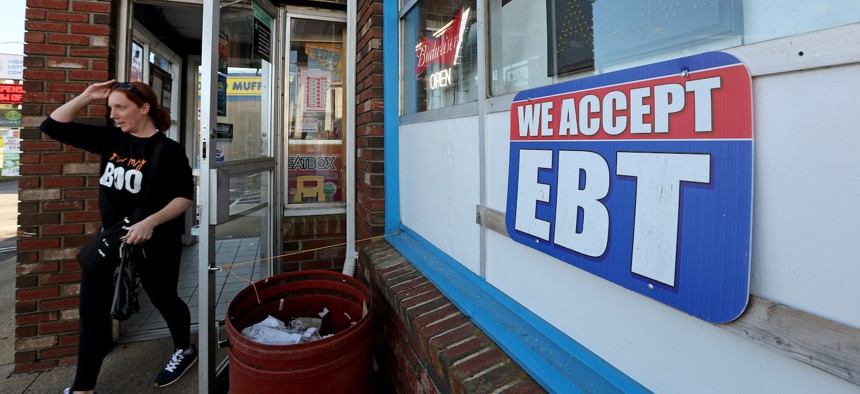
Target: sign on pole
{"x":642,"y":177}
{"x":11,"y":66}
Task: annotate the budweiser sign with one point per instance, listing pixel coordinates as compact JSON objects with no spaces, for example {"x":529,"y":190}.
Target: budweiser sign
{"x":444,"y":47}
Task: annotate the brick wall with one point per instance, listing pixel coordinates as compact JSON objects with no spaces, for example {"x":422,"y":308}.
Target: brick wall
{"x":369,"y":176}
{"x":426,"y":345}
{"x":66,"y":49}
{"x":314,"y":242}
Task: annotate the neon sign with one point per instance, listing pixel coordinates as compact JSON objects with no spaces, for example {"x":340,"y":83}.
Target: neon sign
{"x":444,"y":48}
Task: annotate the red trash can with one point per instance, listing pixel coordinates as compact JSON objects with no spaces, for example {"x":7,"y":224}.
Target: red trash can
{"x":340,"y":363}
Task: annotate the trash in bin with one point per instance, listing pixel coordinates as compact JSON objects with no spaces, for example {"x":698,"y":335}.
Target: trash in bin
{"x":273,"y":331}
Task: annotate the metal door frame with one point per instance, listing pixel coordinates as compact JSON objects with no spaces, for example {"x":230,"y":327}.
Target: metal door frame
{"x":207,"y":339}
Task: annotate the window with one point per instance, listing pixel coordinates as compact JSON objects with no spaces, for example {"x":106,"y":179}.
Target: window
{"x":535,"y":42}
{"x":440,"y":55}
{"x":316,"y":141}
{"x":539,"y":42}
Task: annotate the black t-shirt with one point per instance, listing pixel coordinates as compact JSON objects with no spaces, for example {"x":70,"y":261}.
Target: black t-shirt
{"x":125,"y":168}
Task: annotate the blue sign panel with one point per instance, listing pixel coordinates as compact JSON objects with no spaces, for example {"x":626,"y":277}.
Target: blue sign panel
{"x":642,"y":177}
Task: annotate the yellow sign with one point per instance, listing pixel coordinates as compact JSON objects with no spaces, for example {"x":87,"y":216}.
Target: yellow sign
{"x":244,"y":85}
{"x":241,"y":86}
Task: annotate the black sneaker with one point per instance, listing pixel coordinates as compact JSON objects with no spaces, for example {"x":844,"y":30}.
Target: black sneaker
{"x":176,"y":367}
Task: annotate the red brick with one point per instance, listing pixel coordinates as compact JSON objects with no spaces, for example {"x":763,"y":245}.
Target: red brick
{"x":37,"y":294}
{"x":45,"y":26}
{"x":91,"y":7}
{"x":81,"y":193}
{"x":69,"y":339}
{"x":35,"y":14}
{"x":33,"y":169}
{"x":54,"y":279}
{"x":56,"y":352}
{"x":93,"y":30}
{"x":44,"y":75}
{"x":67,"y":157}
{"x":33,"y":146}
{"x":99,"y":53}
{"x":43,"y":49}
{"x":75,"y":181}
{"x":97,"y":110}
{"x":23,"y":269}
{"x":68,"y":17}
{"x":38,"y":219}
{"x":61,"y":303}
{"x":45,"y":365}
{"x":58,"y":327}
{"x":318,"y":265}
{"x":63,"y":229}
{"x":68,"y":39}
{"x":85,"y":75}
{"x":100,"y":65}
{"x":62,"y":205}
{"x":26,"y":307}
{"x":44,"y":97}
{"x":38,"y":243}
{"x":35,"y":318}
{"x":53,"y":4}
{"x":34,"y":37}
{"x":87,"y":216}
{"x":69,"y":63}
{"x":27,"y":257}
{"x":25,"y":357}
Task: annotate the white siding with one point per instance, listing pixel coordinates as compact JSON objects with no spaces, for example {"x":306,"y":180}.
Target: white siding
{"x":439,"y":185}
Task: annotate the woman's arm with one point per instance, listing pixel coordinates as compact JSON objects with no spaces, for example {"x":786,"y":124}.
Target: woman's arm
{"x":66,"y":113}
{"x":142,"y":230}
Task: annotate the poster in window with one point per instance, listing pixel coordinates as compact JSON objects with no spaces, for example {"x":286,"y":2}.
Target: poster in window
{"x":136,"y":74}
{"x":161,"y":84}
{"x":326,"y":56}
{"x":313,"y":89}
{"x":570,"y":38}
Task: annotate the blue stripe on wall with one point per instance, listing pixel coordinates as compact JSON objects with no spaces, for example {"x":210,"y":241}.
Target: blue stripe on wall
{"x":391,"y":117}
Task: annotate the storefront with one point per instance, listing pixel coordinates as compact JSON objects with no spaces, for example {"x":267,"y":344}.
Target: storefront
{"x":622,"y":198}
{"x":607,"y":153}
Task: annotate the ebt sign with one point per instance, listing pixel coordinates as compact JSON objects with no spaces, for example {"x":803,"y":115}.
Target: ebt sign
{"x":642,"y":177}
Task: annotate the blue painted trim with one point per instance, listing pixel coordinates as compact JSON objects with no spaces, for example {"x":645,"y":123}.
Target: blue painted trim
{"x":391,"y":112}
{"x":553,"y":359}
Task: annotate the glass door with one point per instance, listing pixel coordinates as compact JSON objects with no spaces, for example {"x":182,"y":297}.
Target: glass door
{"x":315,"y":125}
{"x":239,"y":219}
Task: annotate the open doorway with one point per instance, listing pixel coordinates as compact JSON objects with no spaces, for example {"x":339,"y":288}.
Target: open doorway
{"x":164,"y":50}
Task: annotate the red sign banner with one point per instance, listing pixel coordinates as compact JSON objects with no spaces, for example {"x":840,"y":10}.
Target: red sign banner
{"x":445,"y":47}
{"x":11,"y":93}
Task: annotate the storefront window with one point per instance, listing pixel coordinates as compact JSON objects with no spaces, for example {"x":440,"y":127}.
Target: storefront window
{"x":315,"y":138}
{"x":539,"y":42}
{"x":535,"y":42}
{"x":244,"y":87}
{"x":440,"y":55}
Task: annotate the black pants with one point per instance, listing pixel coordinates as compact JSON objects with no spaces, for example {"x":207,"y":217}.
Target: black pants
{"x":159,"y":274}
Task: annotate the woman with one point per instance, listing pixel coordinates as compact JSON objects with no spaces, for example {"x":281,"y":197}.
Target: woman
{"x":125,"y":152}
